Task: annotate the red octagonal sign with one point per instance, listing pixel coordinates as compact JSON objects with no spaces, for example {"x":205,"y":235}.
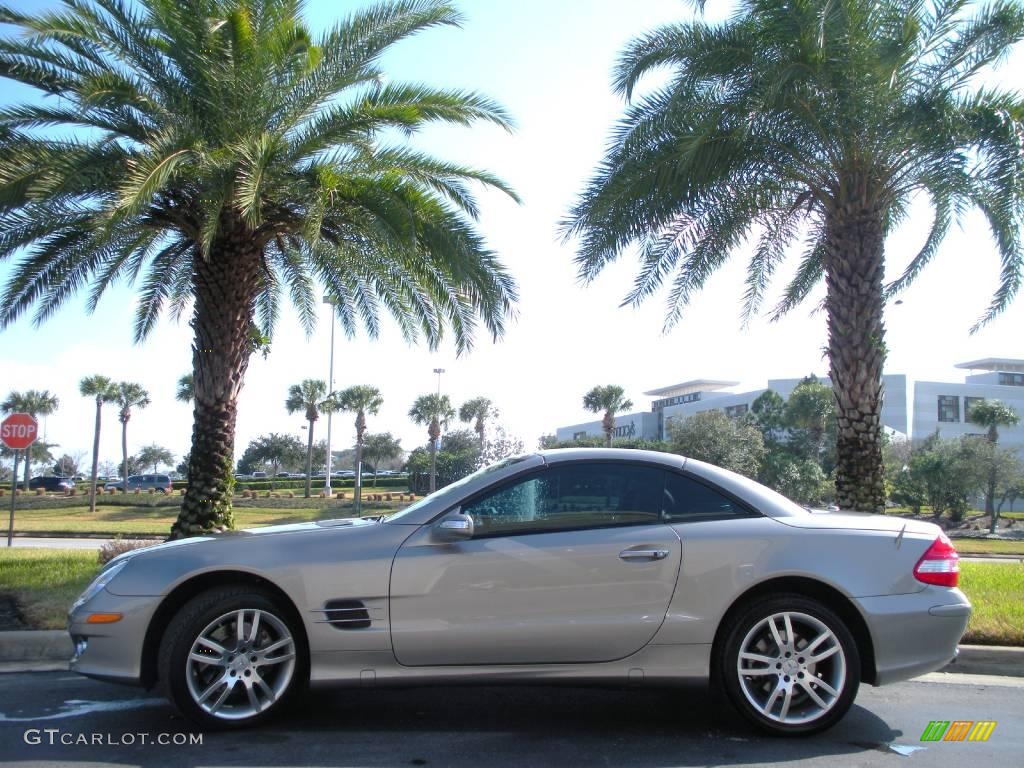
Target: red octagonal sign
{"x":18,"y":431}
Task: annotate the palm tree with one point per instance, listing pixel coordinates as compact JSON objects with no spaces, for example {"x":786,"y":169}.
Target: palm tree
{"x":36,"y":403}
{"x":435,"y":411}
{"x":186,"y":391}
{"x":478,"y":410}
{"x":311,"y":398}
{"x":104,"y":390}
{"x":377,"y":447}
{"x":229,"y":156}
{"x":129,"y":395}
{"x":154,"y":455}
{"x":360,"y":399}
{"x":814,"y":120}
{"x":610,"y":399}
{"x":992,"y":414}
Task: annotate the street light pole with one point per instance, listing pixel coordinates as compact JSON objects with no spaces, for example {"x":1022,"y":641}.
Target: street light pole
{"x":439,"y":371}
{"x":330,"y":389}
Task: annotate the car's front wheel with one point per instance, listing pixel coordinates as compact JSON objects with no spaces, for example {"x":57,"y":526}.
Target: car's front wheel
{"x":231,"y":657}
{"x":789,"y":665}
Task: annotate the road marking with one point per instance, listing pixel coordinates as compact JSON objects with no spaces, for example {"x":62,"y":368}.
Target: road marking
{"x":963,"y":678}
{"x":78,"y":707}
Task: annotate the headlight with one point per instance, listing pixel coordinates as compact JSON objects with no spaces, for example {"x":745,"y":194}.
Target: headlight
{"x":99,"y":583}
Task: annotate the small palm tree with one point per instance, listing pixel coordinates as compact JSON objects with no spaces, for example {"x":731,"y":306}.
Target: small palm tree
{"x":105,"y":391}
{"x":129,"y":395}
{"x":435,"y":411}
{"x":186,"y":391}
{"x":610,"y":399}
{"x":36,"y":403}
{"x":992,"y":414}
{"x":221,"y":155}
{"x":360,"y":399}
{"x":311,"y":398}
{"x":478,"y":410}
{"x":820,"y":121}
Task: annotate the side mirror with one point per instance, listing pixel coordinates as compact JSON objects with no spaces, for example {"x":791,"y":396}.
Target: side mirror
{"x":454,"y":527}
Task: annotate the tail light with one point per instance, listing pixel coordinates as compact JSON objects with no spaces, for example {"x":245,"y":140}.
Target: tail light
{"x":940,"y":565}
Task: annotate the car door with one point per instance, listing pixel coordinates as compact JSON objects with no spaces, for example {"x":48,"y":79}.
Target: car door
{"x":569,"y":563}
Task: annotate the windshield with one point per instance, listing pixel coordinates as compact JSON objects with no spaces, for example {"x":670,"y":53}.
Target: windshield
{"x":454,"y":488}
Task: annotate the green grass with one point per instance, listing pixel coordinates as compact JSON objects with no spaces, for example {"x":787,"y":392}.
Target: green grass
{"x":45,"y":582}
{"x":155,"y":519}
{"x":996,"y":590}
{"x":969,"y":546}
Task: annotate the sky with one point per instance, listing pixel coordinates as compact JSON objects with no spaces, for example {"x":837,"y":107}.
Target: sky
{"x":549,"y":64}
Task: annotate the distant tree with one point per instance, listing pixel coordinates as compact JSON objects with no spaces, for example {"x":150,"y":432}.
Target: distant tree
{"x":435,"y":411}
{"x":275,"y":450}
{"x":768,"y":414}
{"x":713,"y":437}
{"x":182,"y":468}
{"x":311,"y":398}
{"x":992,"y":414}
{"x":478,"y":410}
{"x":458,"y":456}
{"x":67,"y":465}
{"x":39,"y":453}
{"x":810,"y":417}
{"x":382,"y":446}
{"x":154,"y":456}
{"x":186,"y":391}
{"x":129,"y":395}
{"x":501,"y":446}
{"x":611,"y":399}
{"x":544,"y":442}
{"x":796,"y":477}
{"x":37,"y":403}
{"x":950,"y":472}
{"x":104,"y":391}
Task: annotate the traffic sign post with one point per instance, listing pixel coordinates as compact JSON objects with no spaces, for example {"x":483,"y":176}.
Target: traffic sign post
{"x":18,"y":431}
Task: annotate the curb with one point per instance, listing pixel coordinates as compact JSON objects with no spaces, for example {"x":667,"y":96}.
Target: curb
{"x":34,"y":645}
{"x":20,"y":647}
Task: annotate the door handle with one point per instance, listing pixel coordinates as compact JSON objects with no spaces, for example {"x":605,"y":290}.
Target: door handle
{"x":643,"y":554}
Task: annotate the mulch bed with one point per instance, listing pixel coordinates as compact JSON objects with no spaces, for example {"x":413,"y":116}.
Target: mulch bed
{"x":10,"y":616}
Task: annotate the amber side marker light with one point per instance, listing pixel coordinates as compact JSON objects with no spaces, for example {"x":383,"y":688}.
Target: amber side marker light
{"x":103,"y":618}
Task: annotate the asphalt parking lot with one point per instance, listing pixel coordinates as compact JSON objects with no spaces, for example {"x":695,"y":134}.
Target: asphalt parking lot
{"x":505,"y":726}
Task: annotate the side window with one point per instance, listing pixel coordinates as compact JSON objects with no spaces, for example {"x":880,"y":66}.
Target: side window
{"x":687,"y":499}
{"x":573,"y":496}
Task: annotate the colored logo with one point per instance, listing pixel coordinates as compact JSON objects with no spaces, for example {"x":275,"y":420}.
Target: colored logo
{"x":958,"y":730}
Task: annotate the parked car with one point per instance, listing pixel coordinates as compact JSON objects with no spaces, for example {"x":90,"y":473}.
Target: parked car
{"x":259,"y":475}
{"x":559,"y":566}
{"x":49,"y":483}
{"x":160,"y":483}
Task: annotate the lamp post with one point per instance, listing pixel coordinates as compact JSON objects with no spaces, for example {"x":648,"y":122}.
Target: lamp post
{"x":330,"y":389}
{"x":439,"y":371}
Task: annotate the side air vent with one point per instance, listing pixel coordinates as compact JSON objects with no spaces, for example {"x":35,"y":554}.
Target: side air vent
{"x":347,"y":614}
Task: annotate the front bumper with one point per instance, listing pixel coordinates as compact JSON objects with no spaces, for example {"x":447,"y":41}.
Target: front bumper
{"x":915,"y":633}
{"x":111,"y":652}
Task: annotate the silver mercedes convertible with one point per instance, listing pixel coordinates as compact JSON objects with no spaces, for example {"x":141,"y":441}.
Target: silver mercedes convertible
{"x":570,"y":566}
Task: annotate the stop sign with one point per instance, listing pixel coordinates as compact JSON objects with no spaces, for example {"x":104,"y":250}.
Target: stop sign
{"x":19,"y":431}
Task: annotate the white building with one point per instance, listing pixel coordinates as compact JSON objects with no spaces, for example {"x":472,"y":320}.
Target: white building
{"x":912,"y":408}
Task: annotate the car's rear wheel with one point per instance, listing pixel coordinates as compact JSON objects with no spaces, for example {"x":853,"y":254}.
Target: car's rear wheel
{"x":232,"y":657}
{"x":789,"y":665}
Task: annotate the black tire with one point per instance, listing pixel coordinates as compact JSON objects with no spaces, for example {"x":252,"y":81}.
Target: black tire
{"x":178,"y":678}
{"x":806,"y":716}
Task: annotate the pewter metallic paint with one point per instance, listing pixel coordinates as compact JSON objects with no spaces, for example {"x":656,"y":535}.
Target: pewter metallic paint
{"x":552,"y":606}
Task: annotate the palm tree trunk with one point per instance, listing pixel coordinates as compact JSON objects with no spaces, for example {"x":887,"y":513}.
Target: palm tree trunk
{"x":95,"y":456}
{"x":434,"y":433}
{"x":225,"y":287}
{"x":360,"y":431}
{"x":309,"y":460}
{"x":854,"y":302}
{"x":608,"y":425}
{"x":124,"y":453}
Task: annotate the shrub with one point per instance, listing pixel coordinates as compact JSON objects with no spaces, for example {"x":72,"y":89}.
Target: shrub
{"x":119,"y":546}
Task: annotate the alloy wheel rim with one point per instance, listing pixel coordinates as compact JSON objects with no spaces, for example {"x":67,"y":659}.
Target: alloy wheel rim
{"x":240,"y":664}
{"x":791,"y":668}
